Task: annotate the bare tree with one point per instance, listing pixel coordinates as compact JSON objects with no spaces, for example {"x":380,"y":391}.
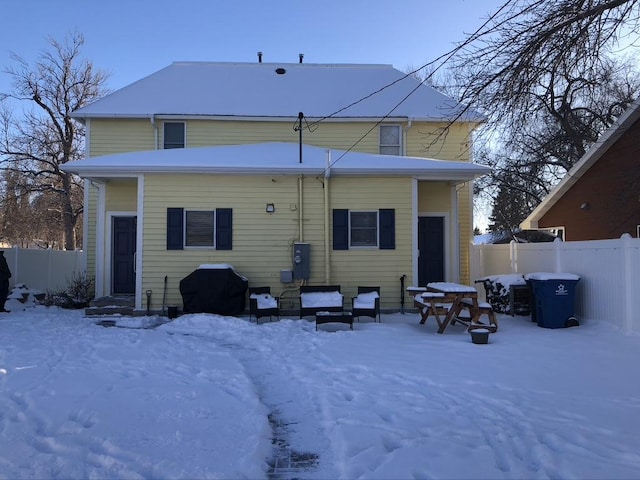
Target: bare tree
{"x":43,"y":137}
{"x":550,"y":79}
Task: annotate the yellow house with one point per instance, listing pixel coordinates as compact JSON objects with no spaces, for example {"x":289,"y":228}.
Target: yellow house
{"x":359,"y":169}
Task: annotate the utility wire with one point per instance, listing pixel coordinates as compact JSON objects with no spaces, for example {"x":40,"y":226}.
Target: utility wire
{"x":446,"y":56}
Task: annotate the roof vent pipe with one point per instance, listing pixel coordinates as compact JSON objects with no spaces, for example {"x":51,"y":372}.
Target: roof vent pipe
{"x":259,"y":57}
{"x":301,"y":56}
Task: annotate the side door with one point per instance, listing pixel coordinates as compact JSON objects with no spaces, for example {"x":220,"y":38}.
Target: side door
{"x":123,"y":255}
{"x":431,"y":250}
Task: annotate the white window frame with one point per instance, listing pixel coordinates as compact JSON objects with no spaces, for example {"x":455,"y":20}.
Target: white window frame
{"x":164,"y":137}
{"x":381,"y":145}
{"x":377,"y":216}
{"x":185,"y":226}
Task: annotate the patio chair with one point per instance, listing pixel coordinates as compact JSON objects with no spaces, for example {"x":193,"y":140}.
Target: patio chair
{"x":366,"y":303}
{"x":262,"y":304}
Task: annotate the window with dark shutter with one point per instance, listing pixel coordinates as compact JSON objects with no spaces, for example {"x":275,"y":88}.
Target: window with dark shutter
{"x":199,"y":228}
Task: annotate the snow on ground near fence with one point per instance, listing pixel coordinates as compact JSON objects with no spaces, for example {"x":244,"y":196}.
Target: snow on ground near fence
{"x":201,"y":397}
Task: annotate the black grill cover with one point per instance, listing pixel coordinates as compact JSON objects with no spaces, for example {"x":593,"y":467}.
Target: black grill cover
{"x":214,"y":290}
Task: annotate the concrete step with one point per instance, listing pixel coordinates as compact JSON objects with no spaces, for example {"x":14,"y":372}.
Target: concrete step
{"x":109,"y":310}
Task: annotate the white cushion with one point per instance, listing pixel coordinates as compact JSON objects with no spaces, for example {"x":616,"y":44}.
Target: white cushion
{"x":365,"y":300}
{"x":264,"y":300}
{"x":321,"y":299}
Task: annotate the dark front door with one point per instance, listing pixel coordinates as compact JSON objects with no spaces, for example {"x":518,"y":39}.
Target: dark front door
{"x":124,"y":250}
{"x":430,"y":250}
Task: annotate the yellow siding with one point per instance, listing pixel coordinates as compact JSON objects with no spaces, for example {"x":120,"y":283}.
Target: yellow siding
{"x":434,"y":197}
{"x":434,"y":140}
{"x":327,"y":134}
{"x":465,"y":227}
{"x":122,"y":195}
{"x":374,"y":267}
{"x":262,"y":243}
{"x":109,"y":136}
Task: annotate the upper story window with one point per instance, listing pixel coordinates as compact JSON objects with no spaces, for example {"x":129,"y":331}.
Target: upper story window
{"x":390,"y":140}
{"x":174,"y":134}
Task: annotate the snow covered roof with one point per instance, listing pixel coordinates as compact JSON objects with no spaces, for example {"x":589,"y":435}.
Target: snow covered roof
{"x":271,"y":159}
{"x":256,"y":90}
{"x":597,"y":150}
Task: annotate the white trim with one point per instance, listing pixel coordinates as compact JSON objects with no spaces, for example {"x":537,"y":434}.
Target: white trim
{"x":414,"y":230}
{"x":139,"y":242}
{"x":85,"y":221}
{"x":87,"y":138}
{"x":108,"y":245}
{"x":100,"y":247}
{"x":455,"y":232}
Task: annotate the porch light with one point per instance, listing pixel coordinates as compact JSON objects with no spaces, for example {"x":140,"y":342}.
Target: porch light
{"x":270,"y":208}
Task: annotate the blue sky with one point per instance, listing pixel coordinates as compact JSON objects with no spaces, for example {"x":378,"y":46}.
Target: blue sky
{"x":134,"y":38}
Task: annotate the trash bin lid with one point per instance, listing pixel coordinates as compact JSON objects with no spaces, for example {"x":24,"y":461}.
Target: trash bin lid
{"x":551,"y":276}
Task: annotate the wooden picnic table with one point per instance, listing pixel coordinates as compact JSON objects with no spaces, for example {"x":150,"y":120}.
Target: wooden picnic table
{"x":431,"y":300}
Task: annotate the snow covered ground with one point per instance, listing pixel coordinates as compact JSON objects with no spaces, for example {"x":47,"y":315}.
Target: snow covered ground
{"x":216,"y":397}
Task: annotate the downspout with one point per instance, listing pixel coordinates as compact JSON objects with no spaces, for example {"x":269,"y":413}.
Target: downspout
{"x":152,"y":118}
{"x":404,"y":136}
{"x":327,"y":248}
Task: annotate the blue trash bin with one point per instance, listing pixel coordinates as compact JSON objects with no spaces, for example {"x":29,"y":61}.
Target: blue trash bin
{"x":553,"y":299}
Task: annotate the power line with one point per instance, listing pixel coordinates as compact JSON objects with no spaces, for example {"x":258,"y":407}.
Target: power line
{"x":447,"y":56}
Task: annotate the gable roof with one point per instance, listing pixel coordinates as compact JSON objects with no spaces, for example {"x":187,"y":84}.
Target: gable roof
{"x":255,"y":90}
{"x":597,"y":150}
{"x":276,"y":158}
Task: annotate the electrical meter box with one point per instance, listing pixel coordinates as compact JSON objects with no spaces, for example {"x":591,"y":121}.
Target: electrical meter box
{"x":301,"y":261}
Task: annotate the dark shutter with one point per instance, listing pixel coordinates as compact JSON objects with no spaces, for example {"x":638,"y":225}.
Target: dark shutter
{"x":175,"y":229}
{"x":387,"y":229}
{"x":224,"y":229}
{"x":340,"y":229}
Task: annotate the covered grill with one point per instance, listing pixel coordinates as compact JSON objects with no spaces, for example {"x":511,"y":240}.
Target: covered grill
{"x":214,"y":288}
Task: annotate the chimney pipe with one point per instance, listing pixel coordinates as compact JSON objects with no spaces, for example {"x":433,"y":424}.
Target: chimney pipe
{"x":301,"y":56}
{"x":259,"y":57}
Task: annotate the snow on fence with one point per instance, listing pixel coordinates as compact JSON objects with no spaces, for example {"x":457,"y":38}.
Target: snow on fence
{"x":43,"y":269}
{"x":609,"y":272}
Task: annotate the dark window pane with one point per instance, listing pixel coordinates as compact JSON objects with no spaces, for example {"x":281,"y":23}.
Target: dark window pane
{"x":390,"y":135}
{"x":199,"y":229}
{"x":174,"y":134}
{"x":364,"y":229}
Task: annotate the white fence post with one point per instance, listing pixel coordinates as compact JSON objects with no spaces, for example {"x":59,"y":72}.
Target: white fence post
{"x":513,"y":255}
{"x":626,"y":288}
{"x":557,"y":250}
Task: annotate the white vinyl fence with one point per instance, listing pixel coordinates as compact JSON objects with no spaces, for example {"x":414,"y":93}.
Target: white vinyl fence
{"x":41,"y":269}
{"x":609,"y":286}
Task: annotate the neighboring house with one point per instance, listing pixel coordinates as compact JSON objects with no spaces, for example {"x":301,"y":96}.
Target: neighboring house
{"x":203,"y":163}
{"x":599,"y":198}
